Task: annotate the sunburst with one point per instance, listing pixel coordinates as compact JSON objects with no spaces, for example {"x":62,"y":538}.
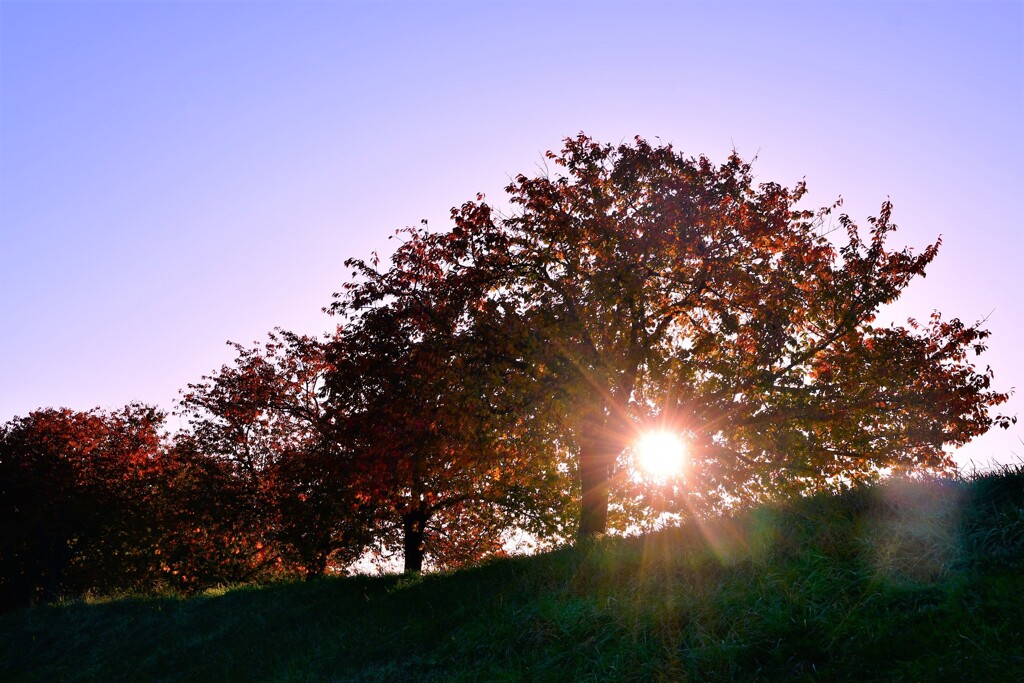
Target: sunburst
{"x":660,"y":453}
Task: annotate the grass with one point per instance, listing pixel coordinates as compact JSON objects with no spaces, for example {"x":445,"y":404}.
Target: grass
{"x":908,"y":581}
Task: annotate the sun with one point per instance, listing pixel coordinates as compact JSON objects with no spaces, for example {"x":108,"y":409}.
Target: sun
{"x":660,"y":453}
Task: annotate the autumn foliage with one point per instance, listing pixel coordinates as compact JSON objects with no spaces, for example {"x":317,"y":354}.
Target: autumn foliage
{"x":492,"y":378}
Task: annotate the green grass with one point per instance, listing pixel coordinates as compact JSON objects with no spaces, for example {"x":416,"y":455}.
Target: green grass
{"x":902,"y":582}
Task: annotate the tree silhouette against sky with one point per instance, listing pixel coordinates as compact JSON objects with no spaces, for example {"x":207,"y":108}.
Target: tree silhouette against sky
{"x":646,"y":285}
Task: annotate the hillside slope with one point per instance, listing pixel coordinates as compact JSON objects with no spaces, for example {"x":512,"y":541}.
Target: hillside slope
{"x":908,"y":581}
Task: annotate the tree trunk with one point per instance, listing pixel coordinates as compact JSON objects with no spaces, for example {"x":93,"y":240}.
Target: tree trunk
{"x":595,"y":471}
{"x":414,"y":525}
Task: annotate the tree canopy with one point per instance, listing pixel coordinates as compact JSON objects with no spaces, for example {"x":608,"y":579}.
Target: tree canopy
{"x":647,"y":285}
{"x":447,"y":456}
{"x":498,"y":375}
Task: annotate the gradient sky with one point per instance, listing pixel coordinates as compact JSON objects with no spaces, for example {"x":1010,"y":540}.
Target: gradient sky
{"x":174,"y":175}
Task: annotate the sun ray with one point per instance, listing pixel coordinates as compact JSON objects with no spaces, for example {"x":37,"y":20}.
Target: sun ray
{"x":660,"y":454}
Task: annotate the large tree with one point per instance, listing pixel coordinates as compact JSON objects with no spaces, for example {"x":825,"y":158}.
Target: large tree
{"x":653,"y":284}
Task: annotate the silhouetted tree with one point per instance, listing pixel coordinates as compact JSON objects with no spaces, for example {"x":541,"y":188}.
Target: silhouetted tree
{"x":493,"y":377}
{"x":208,"y":527}
{"x":446,"y":452}
{"x":264,"y":414}
{"x":73,"y":502}
{"x":653,"y":284}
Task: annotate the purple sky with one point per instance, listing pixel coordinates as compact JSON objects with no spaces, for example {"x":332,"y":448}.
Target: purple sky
{"x":174,"y":175}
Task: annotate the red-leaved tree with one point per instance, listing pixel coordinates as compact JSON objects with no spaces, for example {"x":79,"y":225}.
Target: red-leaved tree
{"x":638,"y":284}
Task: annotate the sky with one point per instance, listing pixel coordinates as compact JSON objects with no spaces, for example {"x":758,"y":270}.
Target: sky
{"x":174,"y":175}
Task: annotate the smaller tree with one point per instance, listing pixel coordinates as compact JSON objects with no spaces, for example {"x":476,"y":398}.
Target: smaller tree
{"x":445,"y":458}
{"x":208,"y":530}
{"x":265,"y":416}
{"x":73,"y":506}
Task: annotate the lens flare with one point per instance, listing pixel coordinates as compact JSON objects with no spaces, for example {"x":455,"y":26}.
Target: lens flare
{"x":660,"y":453}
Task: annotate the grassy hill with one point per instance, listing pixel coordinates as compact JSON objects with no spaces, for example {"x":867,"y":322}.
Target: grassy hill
{"x":910,"y":581}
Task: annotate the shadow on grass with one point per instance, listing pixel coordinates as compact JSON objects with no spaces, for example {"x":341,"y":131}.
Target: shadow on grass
{"x":917,"y":580}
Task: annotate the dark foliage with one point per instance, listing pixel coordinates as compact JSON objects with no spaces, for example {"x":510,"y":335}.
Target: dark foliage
{"x":74,"y":502}
{"x":494,"y":377}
